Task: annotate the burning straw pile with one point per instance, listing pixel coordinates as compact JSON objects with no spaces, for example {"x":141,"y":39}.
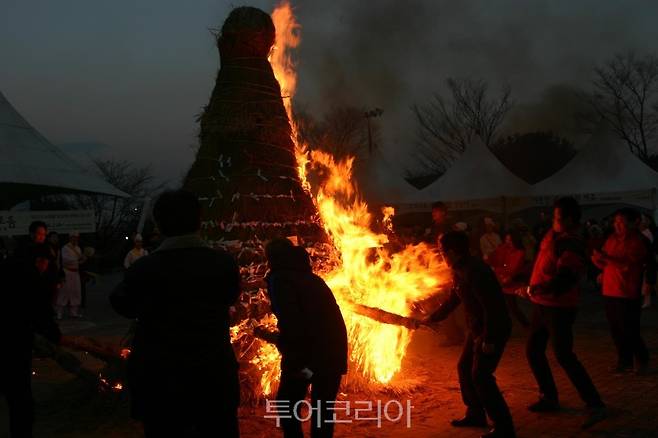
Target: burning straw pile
{"x":251,"y":177}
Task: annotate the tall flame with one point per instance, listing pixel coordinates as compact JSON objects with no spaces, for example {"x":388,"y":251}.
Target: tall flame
{"x":367,"y":273}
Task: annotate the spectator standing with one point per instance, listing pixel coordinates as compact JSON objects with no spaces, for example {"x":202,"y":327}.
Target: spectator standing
{"x":624,"y":261}
{"x":527,"y":239}
{"x":182,"y":371}
{"x":70,"y":294}
{"x":490,"y":240}
{"x":26,"y":310}
{"x":136,"y":253}
{"x":55,"y":251}
{"x":509,"y":264}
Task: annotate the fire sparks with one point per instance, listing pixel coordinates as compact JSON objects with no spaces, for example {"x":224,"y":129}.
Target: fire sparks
{"x":367,"y":272}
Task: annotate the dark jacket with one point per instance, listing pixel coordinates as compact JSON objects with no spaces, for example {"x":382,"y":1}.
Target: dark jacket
{"x":475,"y":285}
{"x":26,"y":308}
{"x":180,"y":296}
{"x":312,"y":332}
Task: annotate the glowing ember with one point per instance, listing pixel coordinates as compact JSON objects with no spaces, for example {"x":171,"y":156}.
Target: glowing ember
{"x":366,"y":272}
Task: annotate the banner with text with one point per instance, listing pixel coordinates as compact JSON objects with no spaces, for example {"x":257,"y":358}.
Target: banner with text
{"x":17,"y":223}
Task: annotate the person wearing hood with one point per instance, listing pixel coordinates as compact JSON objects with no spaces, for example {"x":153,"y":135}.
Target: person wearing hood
{"x":312,"y":336}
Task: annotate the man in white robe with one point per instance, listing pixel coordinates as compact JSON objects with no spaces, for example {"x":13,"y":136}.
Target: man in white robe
{"x":136,"y":253}
{"x":70,"y":294}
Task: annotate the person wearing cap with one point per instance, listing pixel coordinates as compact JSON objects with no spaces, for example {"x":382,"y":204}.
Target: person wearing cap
{"x":70,"y":294}
{"x":312,"y":336}
{"x":136,"y":253}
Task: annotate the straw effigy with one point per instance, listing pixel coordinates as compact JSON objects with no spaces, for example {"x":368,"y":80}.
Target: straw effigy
{"x":245,"y":171}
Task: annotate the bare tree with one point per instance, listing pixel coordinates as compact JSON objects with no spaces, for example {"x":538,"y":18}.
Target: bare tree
{"x":342,"y":131}
{"x":625,"y":95}
{"x":115,"y":216}
{"x":446,"y":126}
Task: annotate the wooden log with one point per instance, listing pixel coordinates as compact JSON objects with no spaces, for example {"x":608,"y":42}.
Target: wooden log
{"x":385,"y":316}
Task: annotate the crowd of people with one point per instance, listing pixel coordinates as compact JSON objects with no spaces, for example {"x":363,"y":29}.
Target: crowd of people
{"x":182,"y":370}
{"x":35,"y":290}
{"x":547,"y":268}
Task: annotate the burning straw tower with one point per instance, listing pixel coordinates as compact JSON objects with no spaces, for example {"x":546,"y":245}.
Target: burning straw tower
{"x":251,"y":187}
{"x":245,"y":172}
{"x":247,"y":179}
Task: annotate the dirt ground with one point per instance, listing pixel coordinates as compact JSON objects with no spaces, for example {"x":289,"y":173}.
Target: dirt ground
{"x":69,"y":407}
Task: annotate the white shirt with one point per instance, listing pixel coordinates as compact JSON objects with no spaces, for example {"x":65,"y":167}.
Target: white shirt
{"x":72,"y":257}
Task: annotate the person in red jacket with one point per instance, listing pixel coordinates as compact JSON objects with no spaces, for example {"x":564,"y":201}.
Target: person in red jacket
{"x":554,"y":292}
{"x":509,"y":263}
{"x":623,"y":260}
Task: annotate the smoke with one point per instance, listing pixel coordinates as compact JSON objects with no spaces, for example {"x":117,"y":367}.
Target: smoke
{"x":392,"y":54}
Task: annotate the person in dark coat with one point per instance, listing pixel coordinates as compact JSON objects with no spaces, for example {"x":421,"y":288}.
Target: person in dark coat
{"x":312,"y":336}
{"x":182,"y":371}
{"x":26,"y":311}
{"x":488,"y":326}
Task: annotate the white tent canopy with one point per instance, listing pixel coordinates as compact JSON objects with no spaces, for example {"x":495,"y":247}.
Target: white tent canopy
{"x":30,"y":164}
{"x":604,"y":165}
{"x":477,"y":174}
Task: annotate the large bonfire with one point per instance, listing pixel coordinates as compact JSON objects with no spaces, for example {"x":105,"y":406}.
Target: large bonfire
{"x":364,"y":272}
{"x":355,"y":261}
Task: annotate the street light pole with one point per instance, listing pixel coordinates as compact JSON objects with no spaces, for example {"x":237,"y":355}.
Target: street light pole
{"x":377,"y":112}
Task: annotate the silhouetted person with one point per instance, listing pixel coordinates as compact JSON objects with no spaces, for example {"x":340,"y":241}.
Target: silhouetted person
{"x":489,"y":326}
{"x":182,"y":372}
{"x":26,"y":309}
{"x":312,"y":336}
{"x":38,"y":232}
{"x":554,"y":290}
{"x":624,"y":260}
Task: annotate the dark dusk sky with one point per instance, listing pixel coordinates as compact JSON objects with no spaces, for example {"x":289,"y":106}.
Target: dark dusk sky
{"x":132,"y":75}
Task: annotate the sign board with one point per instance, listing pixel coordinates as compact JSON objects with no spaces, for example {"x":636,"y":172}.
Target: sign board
{"x":17,"y":223}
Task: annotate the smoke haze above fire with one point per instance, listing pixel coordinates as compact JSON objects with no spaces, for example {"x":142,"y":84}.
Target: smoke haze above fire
{"x":134,"y":75}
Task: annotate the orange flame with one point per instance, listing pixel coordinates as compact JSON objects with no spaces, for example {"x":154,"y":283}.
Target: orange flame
{"x":367,"y":272}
